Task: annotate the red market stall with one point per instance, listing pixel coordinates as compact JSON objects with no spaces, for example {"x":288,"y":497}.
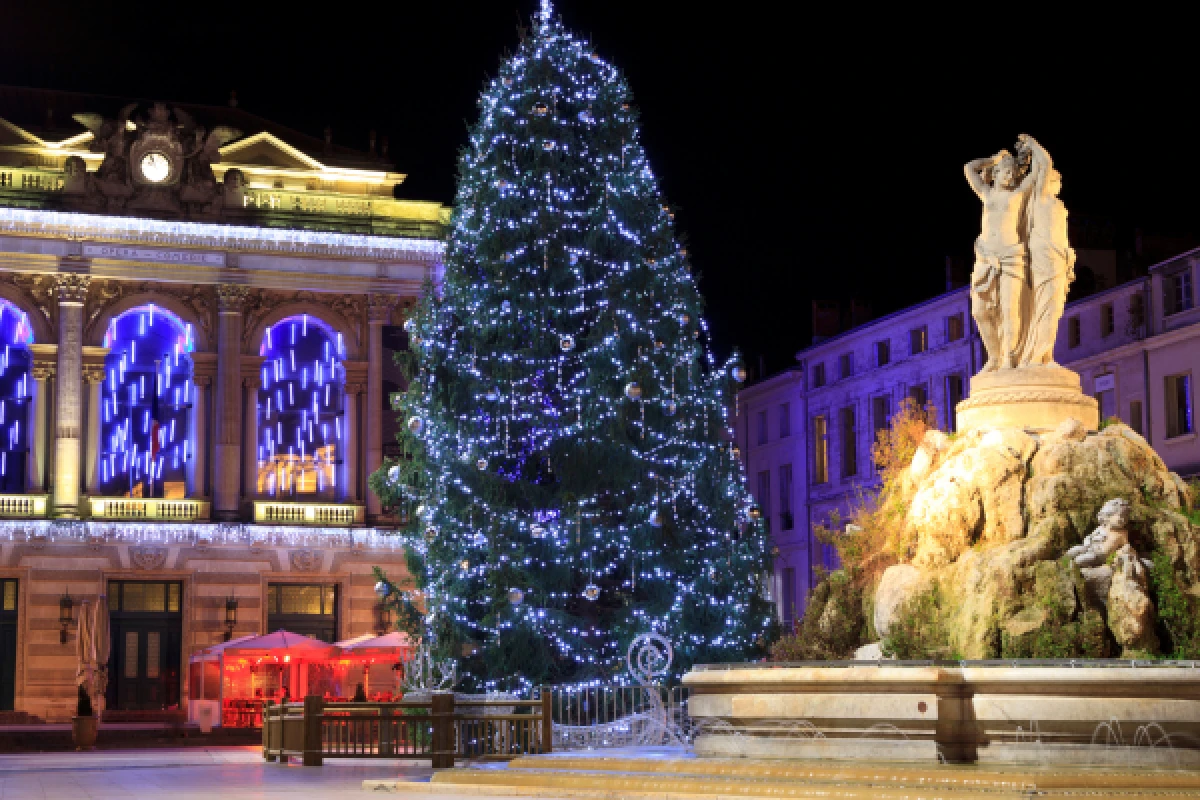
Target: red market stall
{"x":242,"y":674}
{"x":377,"y":663}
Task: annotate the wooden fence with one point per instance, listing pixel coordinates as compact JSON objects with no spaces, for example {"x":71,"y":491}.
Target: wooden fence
{"x":438,"y":729}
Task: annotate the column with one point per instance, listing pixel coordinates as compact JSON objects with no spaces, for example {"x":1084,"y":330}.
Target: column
{"x":36,"y":463}
{"x":227,"y":418}
{"x":198,"y":446}
{"x":379,"y":313}
{"x":94,"y":376}
{"x":68,"y":405}
{"x":250,"y":440}
{"x":350,"y":455}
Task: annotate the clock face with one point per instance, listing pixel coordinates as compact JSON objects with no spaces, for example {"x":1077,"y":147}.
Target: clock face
{"x":155,"y":167}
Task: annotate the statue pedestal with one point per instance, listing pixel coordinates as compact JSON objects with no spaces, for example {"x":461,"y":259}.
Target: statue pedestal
{"x":1038,"y":398}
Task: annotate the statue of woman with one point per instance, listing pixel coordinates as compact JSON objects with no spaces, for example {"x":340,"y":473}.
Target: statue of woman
{"x":999,"y":281}
{"x":1052,"y":261}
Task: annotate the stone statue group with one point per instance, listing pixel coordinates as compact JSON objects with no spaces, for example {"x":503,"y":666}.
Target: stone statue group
{"x":1023,"y":262}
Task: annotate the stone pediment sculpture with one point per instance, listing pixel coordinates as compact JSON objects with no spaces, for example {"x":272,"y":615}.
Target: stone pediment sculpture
{"x":1024,"y":265}
{"x":159,"y":162}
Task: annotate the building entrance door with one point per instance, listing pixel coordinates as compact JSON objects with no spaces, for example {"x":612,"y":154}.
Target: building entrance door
{"x":147,"y":636}
{"x":8,"y":644}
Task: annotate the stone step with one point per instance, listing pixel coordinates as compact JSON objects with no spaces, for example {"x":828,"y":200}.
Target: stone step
{"x":951,"y":776}
{"x":704,"y":779}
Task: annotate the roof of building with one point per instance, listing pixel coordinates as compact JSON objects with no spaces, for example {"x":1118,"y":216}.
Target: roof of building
{"x":859,"y":329}
{"x":48,"y":114}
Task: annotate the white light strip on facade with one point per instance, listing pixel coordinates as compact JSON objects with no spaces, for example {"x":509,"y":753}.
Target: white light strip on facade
{"x":195,"y":534}
{"x":205,"y":234}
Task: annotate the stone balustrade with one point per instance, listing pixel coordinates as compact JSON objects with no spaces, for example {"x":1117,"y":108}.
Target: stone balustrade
{"x":323,"y":514}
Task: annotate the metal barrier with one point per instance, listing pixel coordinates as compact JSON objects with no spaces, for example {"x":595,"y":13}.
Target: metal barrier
{"x":598,"y":717}
{"x":438,"y":730}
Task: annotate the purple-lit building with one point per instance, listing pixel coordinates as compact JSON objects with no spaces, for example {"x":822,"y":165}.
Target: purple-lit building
{"x":806,"y":433}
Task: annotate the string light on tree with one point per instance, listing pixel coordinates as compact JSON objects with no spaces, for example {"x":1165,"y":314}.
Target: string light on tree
{"x":560,"y":366}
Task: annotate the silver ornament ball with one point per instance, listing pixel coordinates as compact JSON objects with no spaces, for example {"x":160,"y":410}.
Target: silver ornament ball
{"x":633,"y":391}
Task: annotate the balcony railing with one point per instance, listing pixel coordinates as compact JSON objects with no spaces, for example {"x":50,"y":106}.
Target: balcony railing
{"x":155,"y":509}
{"x":325,"y":514}
{"x":22,"y":505}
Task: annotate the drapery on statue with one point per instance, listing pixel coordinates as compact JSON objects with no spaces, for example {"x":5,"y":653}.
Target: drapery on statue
{"x":1023,"y":262}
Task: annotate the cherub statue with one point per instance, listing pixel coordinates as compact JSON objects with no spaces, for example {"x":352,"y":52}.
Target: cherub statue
{"x":1000,"y":279}
{"x":1110,"y":535}
{"x":205,"y":151}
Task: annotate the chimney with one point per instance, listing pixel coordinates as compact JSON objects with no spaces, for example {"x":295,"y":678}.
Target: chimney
{"x":383,"y":147}
{"x":328,"y":140}
{"x":371,"y":140}
{"x":233,"y":99}
{"x":49,"y":118}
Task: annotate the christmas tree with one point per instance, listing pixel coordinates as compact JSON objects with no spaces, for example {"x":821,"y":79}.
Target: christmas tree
{"x":568,"y":477}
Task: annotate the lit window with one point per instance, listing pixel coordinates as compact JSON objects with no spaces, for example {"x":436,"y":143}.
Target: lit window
{"x":820,"y":450}
{"x":300,"y":428}
{"x":146,"y":399}
{"x":15,"y":388}
{"x":1179,"y":405}
{"x":918,"y":340}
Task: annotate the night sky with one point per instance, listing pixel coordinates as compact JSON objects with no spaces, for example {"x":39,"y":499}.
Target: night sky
{"x":807,"y":157}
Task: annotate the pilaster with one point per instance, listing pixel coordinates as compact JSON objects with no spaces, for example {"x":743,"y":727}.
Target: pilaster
{"x":227,"y":420}
{"x":68,"y":417}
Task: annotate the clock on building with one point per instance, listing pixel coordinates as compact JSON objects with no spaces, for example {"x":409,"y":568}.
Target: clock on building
{"x":155,"y":167}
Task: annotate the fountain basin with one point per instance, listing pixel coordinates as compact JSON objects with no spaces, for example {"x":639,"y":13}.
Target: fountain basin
{"x":1125,"y":713}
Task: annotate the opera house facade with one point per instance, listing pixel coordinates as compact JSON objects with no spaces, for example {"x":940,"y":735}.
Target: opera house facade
{"x":198,"y":310}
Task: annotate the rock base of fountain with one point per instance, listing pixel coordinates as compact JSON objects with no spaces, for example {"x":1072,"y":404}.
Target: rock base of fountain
{"x":1129,"y":714}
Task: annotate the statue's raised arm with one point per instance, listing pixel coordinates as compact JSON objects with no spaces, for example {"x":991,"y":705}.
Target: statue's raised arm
{"x":979,"y":173}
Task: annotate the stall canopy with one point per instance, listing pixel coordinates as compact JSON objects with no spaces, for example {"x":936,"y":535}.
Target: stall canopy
{"x":281,"y":643}
{"x":394,"y":643}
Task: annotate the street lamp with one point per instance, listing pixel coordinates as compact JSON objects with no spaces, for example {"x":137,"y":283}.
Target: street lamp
{"x":383,"y":613}
{"x":231,"y":606}
{"x":65,"y":604}
{"x":383,"y":618}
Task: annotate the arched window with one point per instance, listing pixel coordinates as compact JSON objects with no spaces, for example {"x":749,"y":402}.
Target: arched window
{"x":147,"y":396}
{"x":15,"y":363}
{"x":300,"y":410}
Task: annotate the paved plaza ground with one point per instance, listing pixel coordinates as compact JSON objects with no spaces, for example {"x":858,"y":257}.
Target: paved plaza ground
{"x":231,"y":773}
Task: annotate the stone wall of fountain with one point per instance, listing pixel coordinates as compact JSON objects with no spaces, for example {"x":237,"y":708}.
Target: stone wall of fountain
{"x":1112,"y":713}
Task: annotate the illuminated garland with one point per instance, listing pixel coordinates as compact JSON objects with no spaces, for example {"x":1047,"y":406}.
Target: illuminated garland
{"x":15,"y":363}
{"x":146,"y":399}
{"x":568,"y":472}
